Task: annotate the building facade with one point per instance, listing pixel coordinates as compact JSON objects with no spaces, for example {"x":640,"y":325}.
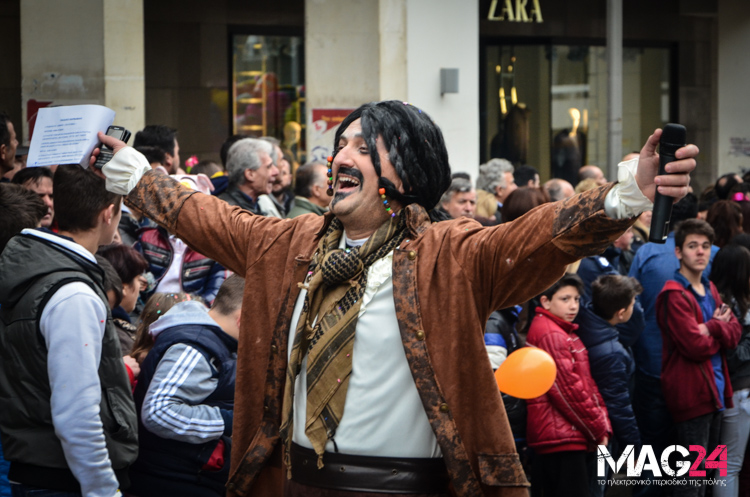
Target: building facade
{"x":522,"y":79}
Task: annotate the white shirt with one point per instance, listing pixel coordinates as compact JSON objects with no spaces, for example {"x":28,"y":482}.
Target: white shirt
{"x":375,"y":422}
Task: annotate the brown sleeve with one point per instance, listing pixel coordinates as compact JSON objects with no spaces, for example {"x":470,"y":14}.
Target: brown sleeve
{"x":515,"y":261}
{"x":233,"y":237}
{"x":582,"y":228}
{"x":159,"y":198}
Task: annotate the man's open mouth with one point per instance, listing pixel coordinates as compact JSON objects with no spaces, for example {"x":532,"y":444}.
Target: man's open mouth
{"x":348,"y":180}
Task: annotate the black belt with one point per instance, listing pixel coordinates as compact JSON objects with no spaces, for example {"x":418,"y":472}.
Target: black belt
{"x":388,"y":475}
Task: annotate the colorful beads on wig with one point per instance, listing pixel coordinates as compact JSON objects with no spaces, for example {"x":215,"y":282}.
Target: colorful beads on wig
{"x":330,"y":176}
{"x":385,"y":202}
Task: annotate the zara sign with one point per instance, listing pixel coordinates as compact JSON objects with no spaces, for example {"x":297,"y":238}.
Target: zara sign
{"x":516,"y":11}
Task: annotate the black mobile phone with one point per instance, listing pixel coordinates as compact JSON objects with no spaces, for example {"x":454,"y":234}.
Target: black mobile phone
{"x":106,"y":153}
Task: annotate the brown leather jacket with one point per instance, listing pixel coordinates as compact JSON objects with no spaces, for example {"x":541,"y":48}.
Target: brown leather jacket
{"x":447,"y":279}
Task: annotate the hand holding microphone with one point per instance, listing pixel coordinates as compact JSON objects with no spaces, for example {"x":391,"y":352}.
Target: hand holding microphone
{"x":673,"y":137}
{"x":676,"y":182}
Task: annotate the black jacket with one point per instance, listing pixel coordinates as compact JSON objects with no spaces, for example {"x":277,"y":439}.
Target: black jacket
{"x":31,"y":271}
{"x":233,"y":196}
{"x":172,"y":467}
{"x":612,"y":366}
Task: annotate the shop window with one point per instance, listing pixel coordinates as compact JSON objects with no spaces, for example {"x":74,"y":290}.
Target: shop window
{"x":546,"y":105}
{"x":268,"y":92}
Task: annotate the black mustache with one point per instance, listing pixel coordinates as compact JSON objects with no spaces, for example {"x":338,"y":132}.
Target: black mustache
{"x":350,"y":171}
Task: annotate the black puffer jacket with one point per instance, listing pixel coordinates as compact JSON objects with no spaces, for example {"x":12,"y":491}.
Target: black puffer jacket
{"x":612,"y":366}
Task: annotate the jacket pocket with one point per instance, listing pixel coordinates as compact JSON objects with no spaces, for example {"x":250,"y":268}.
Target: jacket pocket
{"x":501,"y":470}
{"x":115,"y":418}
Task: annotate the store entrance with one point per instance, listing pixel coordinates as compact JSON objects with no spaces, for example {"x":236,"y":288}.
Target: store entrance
{"x":545,"y":105}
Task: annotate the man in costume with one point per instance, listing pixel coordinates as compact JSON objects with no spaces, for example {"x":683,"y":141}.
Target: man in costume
{"x":361,"y":363}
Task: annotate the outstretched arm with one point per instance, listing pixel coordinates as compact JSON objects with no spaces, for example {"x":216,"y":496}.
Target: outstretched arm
{"x":515,"y":261}
{"x":233,"y":237}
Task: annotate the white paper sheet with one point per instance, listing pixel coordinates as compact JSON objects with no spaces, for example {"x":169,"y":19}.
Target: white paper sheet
{"x":67,"y":134}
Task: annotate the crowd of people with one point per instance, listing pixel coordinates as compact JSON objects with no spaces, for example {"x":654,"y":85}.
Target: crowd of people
{"x":158,"y":321}
{"x":646,"y":347}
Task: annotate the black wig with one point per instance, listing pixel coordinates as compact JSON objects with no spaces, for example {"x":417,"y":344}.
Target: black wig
{"x":415,"y":147}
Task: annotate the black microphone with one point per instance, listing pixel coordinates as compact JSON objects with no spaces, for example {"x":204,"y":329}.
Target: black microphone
{"x":673,"y":137}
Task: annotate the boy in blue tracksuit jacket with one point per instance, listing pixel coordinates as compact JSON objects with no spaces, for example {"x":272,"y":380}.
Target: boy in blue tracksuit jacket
{"x":185,"y":398}
{"x":612,"y":366}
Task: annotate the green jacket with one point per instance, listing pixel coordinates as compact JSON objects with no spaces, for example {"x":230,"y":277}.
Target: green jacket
{"x":304,"y":206}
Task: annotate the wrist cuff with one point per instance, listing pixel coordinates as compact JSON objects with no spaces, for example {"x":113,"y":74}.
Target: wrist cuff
{"x":625,"y":199}
{"x":125,"y":169}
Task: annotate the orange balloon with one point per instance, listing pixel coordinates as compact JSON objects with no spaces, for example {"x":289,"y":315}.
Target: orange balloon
{"x":526,"y":373}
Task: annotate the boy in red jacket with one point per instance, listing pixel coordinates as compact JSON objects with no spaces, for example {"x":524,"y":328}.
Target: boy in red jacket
{"x":566,"y":423}
{"x":696,"y":330}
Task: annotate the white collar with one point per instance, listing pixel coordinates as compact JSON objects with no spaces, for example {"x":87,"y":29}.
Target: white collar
{"x":63,"y":242}
{"x":348,"y":242}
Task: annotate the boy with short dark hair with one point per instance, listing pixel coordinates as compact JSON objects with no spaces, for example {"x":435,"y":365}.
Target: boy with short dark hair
{"x":568,"y":421}
{"x":696,"y":330}
{"x":68,"y":420}
{"x":613,"y":297}
{"x":612,"y":365}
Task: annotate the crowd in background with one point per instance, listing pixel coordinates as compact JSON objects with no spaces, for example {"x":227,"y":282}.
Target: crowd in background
{"x":600,"y":322}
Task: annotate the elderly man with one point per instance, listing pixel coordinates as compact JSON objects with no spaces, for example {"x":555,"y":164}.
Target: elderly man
{"x":310,"y":187}
{"x":279,"y":201}
{"x":494,"y":184}
{"x":558,"y":189}
{"x":251,"y":171}
{"x":361,"y":342}
{"x":592,"y":172}
{"x":460,"y":199}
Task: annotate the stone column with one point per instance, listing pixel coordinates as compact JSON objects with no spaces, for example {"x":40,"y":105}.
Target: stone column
{"x":358,"y":51}
{"x":83,"y":52}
